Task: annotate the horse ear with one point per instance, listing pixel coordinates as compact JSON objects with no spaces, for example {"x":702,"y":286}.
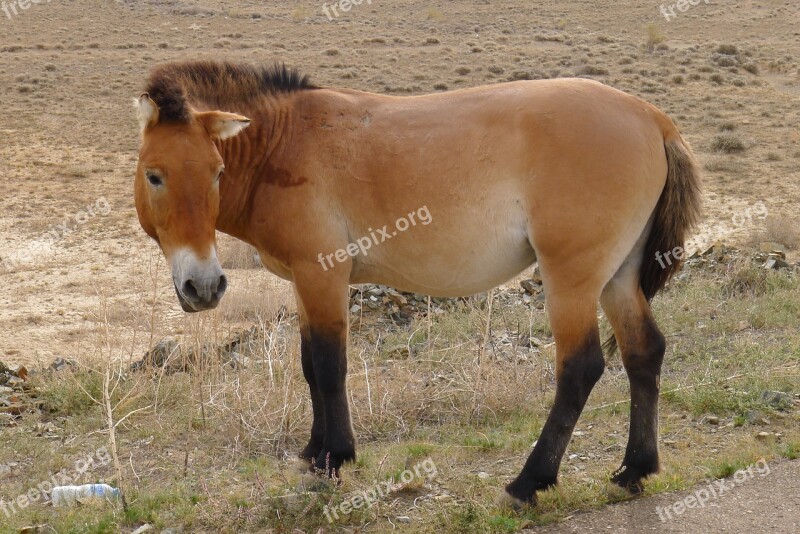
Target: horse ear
{"x":146,"y":111}
{"x":223,"y":125}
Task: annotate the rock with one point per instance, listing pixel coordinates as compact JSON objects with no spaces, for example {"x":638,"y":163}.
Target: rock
{"x":397,"y":298}
{"x":144,"y":528}
{"x":48,"y":430}
{"x":531,"y":287}
{"x":751,"y":416}
{"x":777,"y":399}
{"x":707,"y":252}
{"x":355,"y":308}
{"x":483,"y":476}
{"x":21,"y":372}
{"x":60,"y":364}
{"x":763,"y":435}
{"x":771,"y":246}
{"x":712,"y":420}
{"x":13,"y":381}
{"x":403,"y":519}
{"x":159,"y":355}
{"x":776,"y":263}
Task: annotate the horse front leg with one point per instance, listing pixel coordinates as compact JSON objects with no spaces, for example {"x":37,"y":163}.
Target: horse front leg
{"x":314,"y":446}
{"x":323,"y":297}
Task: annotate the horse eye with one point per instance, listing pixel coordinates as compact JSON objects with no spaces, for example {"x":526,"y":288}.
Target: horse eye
{"x":220,"y":175}
{"x":154,"y":180}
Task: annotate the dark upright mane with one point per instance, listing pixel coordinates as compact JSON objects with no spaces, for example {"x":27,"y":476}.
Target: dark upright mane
{"x":174,"y":85}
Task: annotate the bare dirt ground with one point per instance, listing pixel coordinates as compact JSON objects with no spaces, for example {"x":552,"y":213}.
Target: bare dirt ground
{"x":80,"y":280}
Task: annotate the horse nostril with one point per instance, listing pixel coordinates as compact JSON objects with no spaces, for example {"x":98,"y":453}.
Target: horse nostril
{"x":222,"y":285}
{"x":190,"y":291}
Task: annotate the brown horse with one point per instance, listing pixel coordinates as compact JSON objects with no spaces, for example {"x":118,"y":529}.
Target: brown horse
{"x":588,"y":181}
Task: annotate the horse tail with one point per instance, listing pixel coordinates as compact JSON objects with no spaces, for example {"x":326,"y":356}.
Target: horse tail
{"x":677,"y":212}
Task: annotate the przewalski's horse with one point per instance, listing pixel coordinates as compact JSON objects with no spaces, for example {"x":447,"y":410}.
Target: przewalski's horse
{"x":585,"y":180}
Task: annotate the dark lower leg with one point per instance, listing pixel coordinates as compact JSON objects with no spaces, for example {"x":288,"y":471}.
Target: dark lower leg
{"x":314,"y":447}
{"x":644,"y":368}
{"x":576,"y":377}
{"x":330,"y":372}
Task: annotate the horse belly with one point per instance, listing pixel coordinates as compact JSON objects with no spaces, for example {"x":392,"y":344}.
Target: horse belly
{"x":462,"y":251}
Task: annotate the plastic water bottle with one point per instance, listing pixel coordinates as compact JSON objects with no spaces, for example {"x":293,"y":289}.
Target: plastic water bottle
{"x":69,"y":495}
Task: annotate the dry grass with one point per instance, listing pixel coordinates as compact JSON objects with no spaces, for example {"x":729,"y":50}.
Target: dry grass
{"x":212,"y":449}
{"x":728,"y":143}
{"x":784,"y":230}
{"x":654,"y":37}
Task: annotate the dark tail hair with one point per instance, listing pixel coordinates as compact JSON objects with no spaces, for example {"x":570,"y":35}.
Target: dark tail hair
{"x":677,"y":212}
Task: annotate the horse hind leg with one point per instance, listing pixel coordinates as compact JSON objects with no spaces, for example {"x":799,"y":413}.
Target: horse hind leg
{"x":579,"y":365}
{"x":642,"y":347}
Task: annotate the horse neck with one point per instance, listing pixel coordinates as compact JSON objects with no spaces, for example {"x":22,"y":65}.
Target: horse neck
{"x":246,"y":157}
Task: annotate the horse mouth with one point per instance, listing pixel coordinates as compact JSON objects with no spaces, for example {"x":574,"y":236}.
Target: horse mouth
{"x":194,"y":307}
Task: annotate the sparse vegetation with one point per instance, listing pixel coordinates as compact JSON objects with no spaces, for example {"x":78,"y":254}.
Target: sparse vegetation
{"x":301,"y":13}
{"x":654,"y":37}
{"x":589,"y":70}
{"x":434,"y":14}
{"x":728,"y":143}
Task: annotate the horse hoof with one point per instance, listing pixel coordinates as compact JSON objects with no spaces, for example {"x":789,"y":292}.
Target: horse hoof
{"x":629,"y":480}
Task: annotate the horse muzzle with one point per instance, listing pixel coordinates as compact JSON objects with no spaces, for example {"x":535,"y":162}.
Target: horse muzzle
{"x":199,"y":284}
